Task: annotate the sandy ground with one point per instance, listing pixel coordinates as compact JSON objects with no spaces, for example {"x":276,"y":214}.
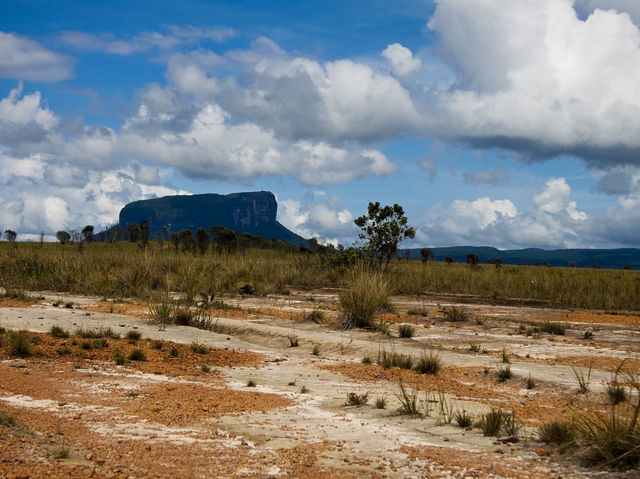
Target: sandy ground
{"x":188,"y":413}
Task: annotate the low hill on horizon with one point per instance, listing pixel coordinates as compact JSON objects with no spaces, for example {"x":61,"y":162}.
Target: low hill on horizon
{"x":583,"y":258}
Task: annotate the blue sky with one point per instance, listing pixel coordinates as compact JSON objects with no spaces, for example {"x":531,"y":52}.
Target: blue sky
{"x":510,"y":123}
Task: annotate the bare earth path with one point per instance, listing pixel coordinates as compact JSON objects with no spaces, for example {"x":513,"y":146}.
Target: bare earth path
{"x":70,"y":411}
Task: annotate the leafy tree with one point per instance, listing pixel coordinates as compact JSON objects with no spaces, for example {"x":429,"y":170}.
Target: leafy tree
{"x":383,"y":229}
{"x":202,"y":240}
{"x":187,"y":241}
{"x":144,"y":232}
{"x":134,"y":232}
{"x":87,"y":232}
{"x":448,"y":259}
{"x":175,"y":240}
{"x":426,"y":254}
{"x":63,"y":236}
{"x":472,"y":259}
{"x":224,"y":238}
{"x":11,"y":235}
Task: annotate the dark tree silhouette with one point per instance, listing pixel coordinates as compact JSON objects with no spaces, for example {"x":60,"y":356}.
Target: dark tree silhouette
{"x":63,"y":236}
{"x":11,"y":235}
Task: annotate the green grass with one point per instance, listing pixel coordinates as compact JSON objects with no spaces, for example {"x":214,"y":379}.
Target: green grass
{"x":137,"y":355}
{"x":463,"y":419}
{"x":406,"y":330}
{"x":429,"y":363}
{"x":198,"y":348}
{"x":144,"y":273}
{"x":492,"y":422}
{"x":58,"y":332}
{"x":19,"y":344}
{"x":132,"y":335}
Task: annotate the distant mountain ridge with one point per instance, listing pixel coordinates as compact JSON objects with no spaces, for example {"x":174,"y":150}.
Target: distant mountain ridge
{"x":604,"y":258}
{"x":251,"y":212}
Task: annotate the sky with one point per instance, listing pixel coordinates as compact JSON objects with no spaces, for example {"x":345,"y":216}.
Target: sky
{"x":505,"y":123}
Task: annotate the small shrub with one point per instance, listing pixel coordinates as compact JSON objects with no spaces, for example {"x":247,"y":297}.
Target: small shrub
{"x":463,"y":419}
{"x":137,"y":355}
{"x":156,"y":345}
{"x":110,"y":333}
{"x":19,"y":344}
{"x":355,"y":399}
{"x":510,"y":425}
{"x":381,"y":402}
{"x":429,"y":363}
{"x":504,"y":355}
{"x":474,"y":348}
{"x":584,"y":379}
{"x":291,"y":383}
{"x":389,"y":359}
{"x":183,"y":317}
{"x":86,"y":345}
{"x":383,"y":326}
{"x":68,"y":305}
{"x":58,"y":332}
{"x":504,"y":373}
{"x":316,"y":316}
{"x":588,"y":335}
{"x":251,"y":383}
{"x":205,"y":368}
{"x":118,"y":357}
{"x":491,"y":422}
{"x":316,"y":350}
{"x":174,"y":352}
{"x":557,"y":432}
{"x":530,"y":382}
{"x":199,"y":348}
{"x":293,"y":341}
{"x":456,"y":314}
{"x":408,"y":401}
{"x":366,"y":360}
{"x":7,"y":420}
{"x":59,"y":452}
{"x":304,"y":390}
{"x":406,"y":330}
{"x":553,"y":328}
{"x":422,"y":311}
{"x":616,"y":393}
{"x":63,"y":351}
{"x":100,"y":343}
{"x":368,"y":296}
{"x":132,"y":335}
{"x":88,"y":333}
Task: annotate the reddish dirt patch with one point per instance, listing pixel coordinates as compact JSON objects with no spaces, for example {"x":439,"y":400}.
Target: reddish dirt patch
{"x":14,"y":303}
{"x":469,"y":384}
{"x":594,"y":318}
{"x":462,"y":464}
{"x":188,"y":404}
{"x":162,"y":357}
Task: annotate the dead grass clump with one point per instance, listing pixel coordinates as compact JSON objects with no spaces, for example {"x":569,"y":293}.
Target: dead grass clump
{"x":369,"y":295}
{"x":355,"y":399}
{"x":406,"y":330}
{"x":456,"y":314}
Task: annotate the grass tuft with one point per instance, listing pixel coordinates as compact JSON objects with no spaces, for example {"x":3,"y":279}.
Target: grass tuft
{"x":58,"y":332}
{"x":137,"y":355}
{"x":19,"y":344}
{"x":428,"y":363}
{"x":355,"y":399}
{"x":406,"y":330}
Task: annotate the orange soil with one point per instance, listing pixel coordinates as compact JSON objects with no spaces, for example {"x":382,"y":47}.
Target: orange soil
{"x":469,"y":384}
{"x":594,"y":318}
{"x":463,"y":464}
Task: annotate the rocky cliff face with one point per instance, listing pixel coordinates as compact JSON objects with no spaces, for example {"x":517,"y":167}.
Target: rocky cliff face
{"x":253,"y":213}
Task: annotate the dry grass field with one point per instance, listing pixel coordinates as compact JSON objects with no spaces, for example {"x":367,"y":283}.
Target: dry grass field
{"x":123,"y":369}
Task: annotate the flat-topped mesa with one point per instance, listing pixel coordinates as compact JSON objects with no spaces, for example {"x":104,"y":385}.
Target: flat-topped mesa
{"x":253,"y":213}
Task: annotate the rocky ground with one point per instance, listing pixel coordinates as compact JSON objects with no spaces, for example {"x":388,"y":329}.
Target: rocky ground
{"x":240,"y":401}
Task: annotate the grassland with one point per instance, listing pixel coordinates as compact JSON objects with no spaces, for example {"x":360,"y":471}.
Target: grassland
{"x":124,"y":270}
